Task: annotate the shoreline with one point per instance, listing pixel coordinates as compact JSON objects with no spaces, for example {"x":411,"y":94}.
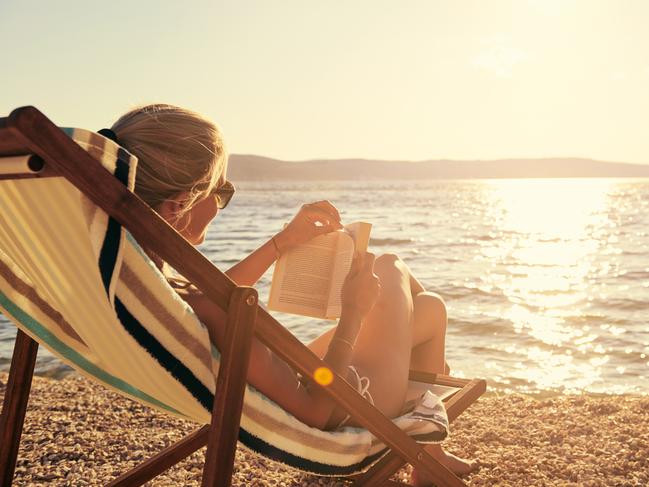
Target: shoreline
{"x":78,"y":433}
{"x":65,"y":371}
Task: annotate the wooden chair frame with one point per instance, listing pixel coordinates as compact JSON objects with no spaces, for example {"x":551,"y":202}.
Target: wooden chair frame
{"x":27,"y":131}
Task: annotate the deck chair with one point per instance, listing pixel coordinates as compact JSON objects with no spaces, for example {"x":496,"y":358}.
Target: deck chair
{"x":74,"y":278}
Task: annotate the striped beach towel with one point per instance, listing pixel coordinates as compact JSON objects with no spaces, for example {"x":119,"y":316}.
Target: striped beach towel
{"x":78,"y":283}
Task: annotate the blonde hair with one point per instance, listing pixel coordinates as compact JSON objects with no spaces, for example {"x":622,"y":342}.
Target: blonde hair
{"x":178,"y":151}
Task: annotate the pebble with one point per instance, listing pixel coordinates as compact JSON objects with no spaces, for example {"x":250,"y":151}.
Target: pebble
{"x":78,"y":433}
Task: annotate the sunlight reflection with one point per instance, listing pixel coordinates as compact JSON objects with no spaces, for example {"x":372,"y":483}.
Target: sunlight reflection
{"x":552,"y":209}
{"x":546,"y":232}
{"x":544,"y":328}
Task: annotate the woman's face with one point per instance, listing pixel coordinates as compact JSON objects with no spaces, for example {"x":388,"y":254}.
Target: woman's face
{"x":193,"y":224}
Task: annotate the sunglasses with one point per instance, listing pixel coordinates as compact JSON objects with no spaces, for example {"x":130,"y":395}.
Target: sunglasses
{"x":224,"y":194}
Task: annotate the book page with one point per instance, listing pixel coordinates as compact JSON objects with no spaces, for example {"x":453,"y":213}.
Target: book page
{"x":343,"y":262}
{"x":302,"y":275}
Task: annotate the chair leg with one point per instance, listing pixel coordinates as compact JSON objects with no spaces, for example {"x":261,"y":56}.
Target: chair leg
{"x":164,"y":460}
{"x":457,"y":403}
{"x":221,"y":436}
{"x":15,"y":403}
{"x":230,"y":387}
{"x":381,"y":471}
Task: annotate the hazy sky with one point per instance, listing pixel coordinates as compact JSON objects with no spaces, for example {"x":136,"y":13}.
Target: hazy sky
{"x":375,"y":79}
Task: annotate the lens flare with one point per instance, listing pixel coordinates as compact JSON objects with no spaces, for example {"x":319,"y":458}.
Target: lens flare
{"x":323,"y":376}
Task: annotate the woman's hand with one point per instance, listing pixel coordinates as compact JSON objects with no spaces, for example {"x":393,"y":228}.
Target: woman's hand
{"x":312,"y":219}
{"x":361,"y":287}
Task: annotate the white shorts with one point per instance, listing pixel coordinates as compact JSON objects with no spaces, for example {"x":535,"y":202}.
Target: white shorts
{"x":362,"y":386}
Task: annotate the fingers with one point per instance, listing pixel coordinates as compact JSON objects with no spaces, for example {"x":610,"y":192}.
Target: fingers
{"x":367,"y":270}
{"x":362,"y":287}
{"x":368,"y":261}
{"x":362,"y":263}
{"x":323,"y":224}
{"x":357,"y":264}
{"x":368,"y":267}
{"x":327,"y":210}
{"x":328,"y":207}
{"x":317,"y":212}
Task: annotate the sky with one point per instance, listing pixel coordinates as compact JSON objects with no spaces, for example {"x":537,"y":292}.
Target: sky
{"x":301,"y":79}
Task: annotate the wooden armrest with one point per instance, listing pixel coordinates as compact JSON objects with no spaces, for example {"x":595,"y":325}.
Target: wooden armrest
{"x":442,"y":380}
{"x":469,"y":390}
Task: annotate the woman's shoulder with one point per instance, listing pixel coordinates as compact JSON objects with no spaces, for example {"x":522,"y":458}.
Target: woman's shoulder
{"x":204,"y":307}
{"x":206,"y":310}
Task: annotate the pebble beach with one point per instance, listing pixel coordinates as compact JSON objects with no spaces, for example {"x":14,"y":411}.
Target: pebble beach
{"x":78,"y":433}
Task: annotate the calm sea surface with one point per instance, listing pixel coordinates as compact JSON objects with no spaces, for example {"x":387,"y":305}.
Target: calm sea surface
{"x":546,"y":281}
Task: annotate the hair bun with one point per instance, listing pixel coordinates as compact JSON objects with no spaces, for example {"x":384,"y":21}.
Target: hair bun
{"x":109,"y":134}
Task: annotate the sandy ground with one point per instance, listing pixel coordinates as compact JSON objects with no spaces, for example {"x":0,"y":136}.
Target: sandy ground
{"x":77,"y":433}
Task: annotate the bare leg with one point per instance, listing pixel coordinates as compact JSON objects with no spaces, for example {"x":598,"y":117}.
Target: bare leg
{"x":428,"y":339}
{"x":382,"y":349}
{"x":429,"y":329}
{"x":457,"y":465}
{"x":429,"y":333}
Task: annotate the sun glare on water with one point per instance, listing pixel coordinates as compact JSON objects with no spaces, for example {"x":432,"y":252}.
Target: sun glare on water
{"x":546,"y":237}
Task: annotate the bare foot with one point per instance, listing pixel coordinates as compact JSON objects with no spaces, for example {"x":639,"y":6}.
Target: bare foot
{"x":459,"y":466}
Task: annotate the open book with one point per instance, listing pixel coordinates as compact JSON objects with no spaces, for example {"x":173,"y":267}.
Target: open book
{"x":308,"y":278}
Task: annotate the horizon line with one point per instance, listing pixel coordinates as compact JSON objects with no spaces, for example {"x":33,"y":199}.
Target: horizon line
{"x":327,"y":159}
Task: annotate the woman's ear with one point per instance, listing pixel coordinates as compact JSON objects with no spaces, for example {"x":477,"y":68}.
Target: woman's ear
{"x":171,"y":207}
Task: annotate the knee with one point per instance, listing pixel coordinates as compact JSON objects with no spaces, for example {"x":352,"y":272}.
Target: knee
{"x":387,"y":263}
{"x":395,"y":289}
{"x":392,"y":273}
{"x":431,"y":305}
{"x":386,"y":259}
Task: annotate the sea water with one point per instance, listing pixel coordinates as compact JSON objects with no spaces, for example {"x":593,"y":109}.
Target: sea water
{"x":546,"y":281}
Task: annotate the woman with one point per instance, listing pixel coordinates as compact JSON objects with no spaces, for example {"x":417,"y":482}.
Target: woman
{"x":389,"y":322}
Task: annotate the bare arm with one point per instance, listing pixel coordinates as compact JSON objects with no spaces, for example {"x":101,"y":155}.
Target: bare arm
{"x":273,"y":377}
{"x":310,"y":403}
{"x":312,"y":219}
{"x":249,"y":270}
{"x":306,"y":401}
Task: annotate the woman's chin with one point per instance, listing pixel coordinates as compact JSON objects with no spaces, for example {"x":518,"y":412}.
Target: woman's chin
{"x":194,"y":240}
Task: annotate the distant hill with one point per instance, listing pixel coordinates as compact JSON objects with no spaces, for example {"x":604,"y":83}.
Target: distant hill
{"x":251,"y":168}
